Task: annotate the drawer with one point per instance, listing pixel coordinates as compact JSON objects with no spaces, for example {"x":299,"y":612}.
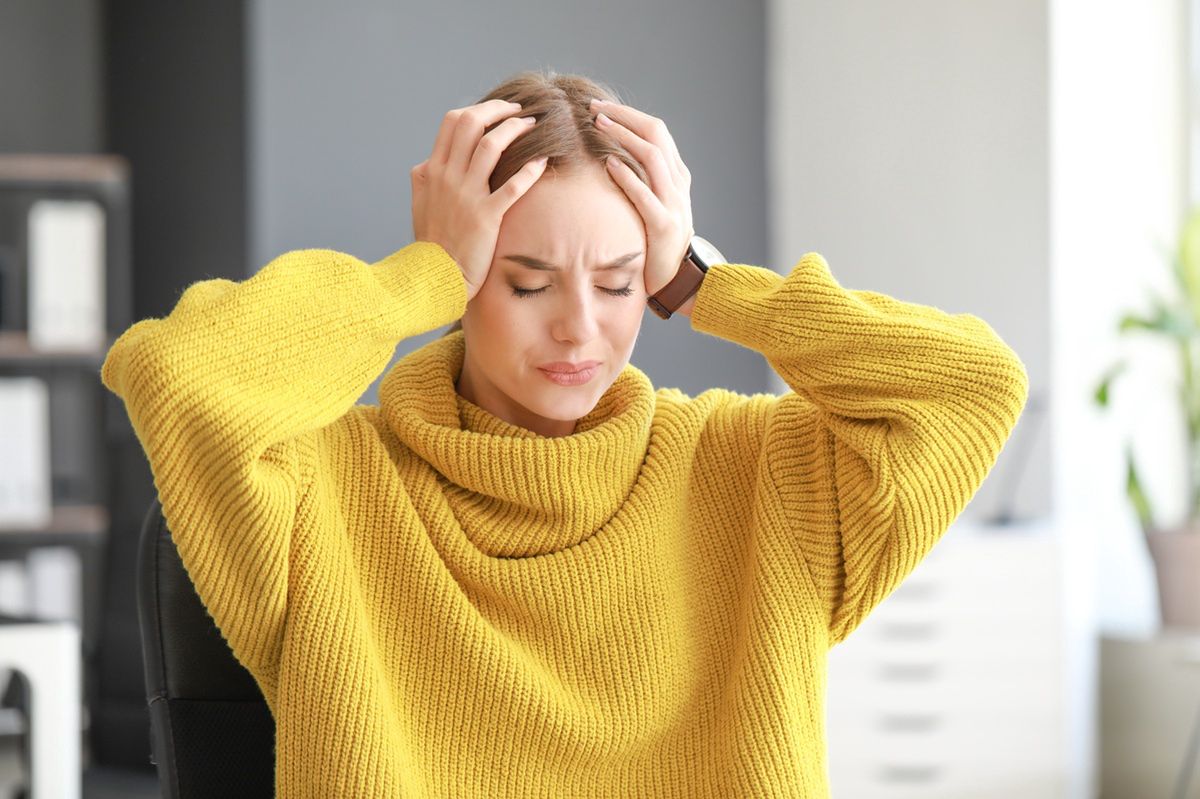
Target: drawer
{"x":957,"y":756}
{"x":950,"y":628}
{"x":923,"y":598}
{"x":981,"y":653}
{"x":1020,"y":689}
{"x":990,"y":565}
{"x":961,"y":738}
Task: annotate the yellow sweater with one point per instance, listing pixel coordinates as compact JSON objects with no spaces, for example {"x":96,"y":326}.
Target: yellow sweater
{"x":436,"y":603}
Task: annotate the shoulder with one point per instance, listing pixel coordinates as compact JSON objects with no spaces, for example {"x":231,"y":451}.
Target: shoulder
{"x":354,"y":438}
{"x":716,"y":413}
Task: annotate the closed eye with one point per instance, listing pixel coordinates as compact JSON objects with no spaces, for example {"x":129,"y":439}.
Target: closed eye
{"x":622,"y":292}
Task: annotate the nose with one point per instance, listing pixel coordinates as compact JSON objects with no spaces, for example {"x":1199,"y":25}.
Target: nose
{"x":577,"y":317}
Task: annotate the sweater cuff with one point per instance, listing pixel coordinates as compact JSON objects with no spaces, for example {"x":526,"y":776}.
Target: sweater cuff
{"x":424,"y":272}
{"x":730,"y":300}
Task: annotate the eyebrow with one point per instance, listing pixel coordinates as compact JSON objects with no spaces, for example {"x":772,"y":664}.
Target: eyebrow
{"x":530,"y":262}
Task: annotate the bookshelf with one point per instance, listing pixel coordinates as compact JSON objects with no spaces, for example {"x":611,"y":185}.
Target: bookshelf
{"x":86,"y":425}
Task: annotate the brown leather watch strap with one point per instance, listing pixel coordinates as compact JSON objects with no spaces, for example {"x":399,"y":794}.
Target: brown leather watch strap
{"x":685,"y":283}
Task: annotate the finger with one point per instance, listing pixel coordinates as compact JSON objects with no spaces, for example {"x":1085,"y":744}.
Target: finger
{"x":515,"y":187}
{"x":469,"y":128}
{"x":418,"y":174}
{"x":649,"y":154}
{"x":445,"y":137}
{"x":650,"y":128}
{"x":653,"y":212}
{"x":493,"y":145}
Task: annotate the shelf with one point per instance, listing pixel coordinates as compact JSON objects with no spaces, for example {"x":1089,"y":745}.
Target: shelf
{"x":41,"y":169}
{"x":78,"y":402}
{"x":65,"y":520}
{"x":15,"y":350}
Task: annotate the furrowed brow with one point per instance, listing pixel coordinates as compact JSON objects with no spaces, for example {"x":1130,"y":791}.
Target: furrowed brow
{"x":530,"y":262}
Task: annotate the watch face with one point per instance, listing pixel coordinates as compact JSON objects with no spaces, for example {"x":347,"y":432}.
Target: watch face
{"x":708,"y":253}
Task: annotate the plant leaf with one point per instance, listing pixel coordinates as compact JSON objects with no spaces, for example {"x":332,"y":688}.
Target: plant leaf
{"x":1189,"y":261}
{"x":1102,"y":389}
{"x":1165,"y":320}
{"x":1133,"y":488}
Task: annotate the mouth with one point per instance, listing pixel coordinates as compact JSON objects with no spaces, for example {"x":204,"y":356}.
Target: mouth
{"x":566,"y":367}
{"x":575,"y":377}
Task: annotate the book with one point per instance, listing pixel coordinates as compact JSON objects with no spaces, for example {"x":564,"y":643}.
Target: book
{"x":66,"y":251}
{"x":25,"y":495}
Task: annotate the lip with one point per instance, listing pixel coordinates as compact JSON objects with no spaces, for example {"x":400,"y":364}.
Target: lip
{"x":555,"y":372}
{"x":566,"y":367}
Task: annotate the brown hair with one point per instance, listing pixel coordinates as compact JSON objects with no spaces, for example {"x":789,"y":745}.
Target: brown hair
{"x":563,"y":129}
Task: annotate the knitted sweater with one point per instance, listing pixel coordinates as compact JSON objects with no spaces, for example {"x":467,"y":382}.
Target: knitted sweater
{"x":437,"y":603}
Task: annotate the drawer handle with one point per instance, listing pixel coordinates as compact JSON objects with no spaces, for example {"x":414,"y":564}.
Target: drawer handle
{"x":908,"y":672}
{"x":909,"y":773}
{"x":908,"y":630}
{"x":909,"y":722}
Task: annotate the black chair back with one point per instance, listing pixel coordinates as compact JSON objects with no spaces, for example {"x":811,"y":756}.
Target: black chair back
{"x":211,"y":731}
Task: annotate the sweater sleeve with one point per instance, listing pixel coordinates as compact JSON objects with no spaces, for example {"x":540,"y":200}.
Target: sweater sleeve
{"x":226,"y":392}
{"x":897,"y":412}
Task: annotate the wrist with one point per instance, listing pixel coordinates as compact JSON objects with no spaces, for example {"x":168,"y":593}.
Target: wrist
{"x":678,"y":296}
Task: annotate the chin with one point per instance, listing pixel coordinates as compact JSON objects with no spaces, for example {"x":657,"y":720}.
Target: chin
{"x":566,"y":408}
{"x":566,"y":403}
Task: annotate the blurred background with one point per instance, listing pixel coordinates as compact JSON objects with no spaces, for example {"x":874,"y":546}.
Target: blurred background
{"x":1032,"y":162}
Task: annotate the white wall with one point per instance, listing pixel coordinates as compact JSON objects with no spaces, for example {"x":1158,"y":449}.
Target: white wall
{"x":1022,"y":161}
{"x":908,"y":145}
{"x":1117,"y":178}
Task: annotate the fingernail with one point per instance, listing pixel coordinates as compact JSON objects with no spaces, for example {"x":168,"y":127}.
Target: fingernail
{"x":602,"y":120}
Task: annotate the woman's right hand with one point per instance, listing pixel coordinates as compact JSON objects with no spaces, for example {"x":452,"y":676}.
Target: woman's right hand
{"x":453,"y":204}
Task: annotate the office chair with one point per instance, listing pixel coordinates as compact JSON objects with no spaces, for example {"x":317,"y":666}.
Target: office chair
{"x":211,"y":731}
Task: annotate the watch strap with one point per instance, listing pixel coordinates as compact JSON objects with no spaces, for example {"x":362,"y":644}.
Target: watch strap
{"x":686,"y":282}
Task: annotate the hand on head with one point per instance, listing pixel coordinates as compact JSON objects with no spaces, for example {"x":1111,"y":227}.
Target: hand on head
{"x":665,"y":205}
{"x":453,"y":204}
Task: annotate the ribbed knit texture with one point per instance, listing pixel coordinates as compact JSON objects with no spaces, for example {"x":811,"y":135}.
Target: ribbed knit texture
{"x":437,"y":603}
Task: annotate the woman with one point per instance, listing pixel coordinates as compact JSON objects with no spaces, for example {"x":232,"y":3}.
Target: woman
{"x":498,"y":584}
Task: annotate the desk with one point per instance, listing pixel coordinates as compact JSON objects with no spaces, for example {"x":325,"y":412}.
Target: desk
{"x":47,"y":654}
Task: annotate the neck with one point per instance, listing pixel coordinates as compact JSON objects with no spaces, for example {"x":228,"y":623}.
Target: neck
{"x":494,"y":401}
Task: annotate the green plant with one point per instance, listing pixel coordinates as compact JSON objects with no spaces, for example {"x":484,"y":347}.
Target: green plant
{"x":1178,"y":320}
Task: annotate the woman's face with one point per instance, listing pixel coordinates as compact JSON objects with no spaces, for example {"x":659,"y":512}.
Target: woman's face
{"x":579,"y":312}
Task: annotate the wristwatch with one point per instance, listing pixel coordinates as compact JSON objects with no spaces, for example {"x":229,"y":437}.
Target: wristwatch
{"x":700,"y":255}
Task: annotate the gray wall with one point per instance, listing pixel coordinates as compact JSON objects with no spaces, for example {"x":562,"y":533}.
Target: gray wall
{"x":51,"y":95}
{"x":176,"y":104}
{"x":345,"y":99}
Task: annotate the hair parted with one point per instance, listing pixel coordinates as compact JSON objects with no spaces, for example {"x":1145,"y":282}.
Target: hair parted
{"x":562,"y":131}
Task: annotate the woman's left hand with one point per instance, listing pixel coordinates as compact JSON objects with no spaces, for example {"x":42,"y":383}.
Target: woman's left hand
{"x":665,"y":205}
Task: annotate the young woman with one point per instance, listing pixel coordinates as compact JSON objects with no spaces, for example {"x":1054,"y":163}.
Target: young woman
{"x":502,"y":581}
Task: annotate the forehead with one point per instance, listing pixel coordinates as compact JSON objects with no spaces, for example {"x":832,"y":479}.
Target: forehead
{"x":577,"y":216}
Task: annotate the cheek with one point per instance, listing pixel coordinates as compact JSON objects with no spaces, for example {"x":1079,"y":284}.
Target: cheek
{"x":632,"y":310}
{"x":499,"y":319}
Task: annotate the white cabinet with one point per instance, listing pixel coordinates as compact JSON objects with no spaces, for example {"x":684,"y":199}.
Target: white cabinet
{"x":1150,"y":709}
{"x":958,"y":685}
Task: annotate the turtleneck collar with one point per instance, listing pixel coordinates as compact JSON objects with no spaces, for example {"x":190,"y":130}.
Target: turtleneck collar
{"x":515,"y":492}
